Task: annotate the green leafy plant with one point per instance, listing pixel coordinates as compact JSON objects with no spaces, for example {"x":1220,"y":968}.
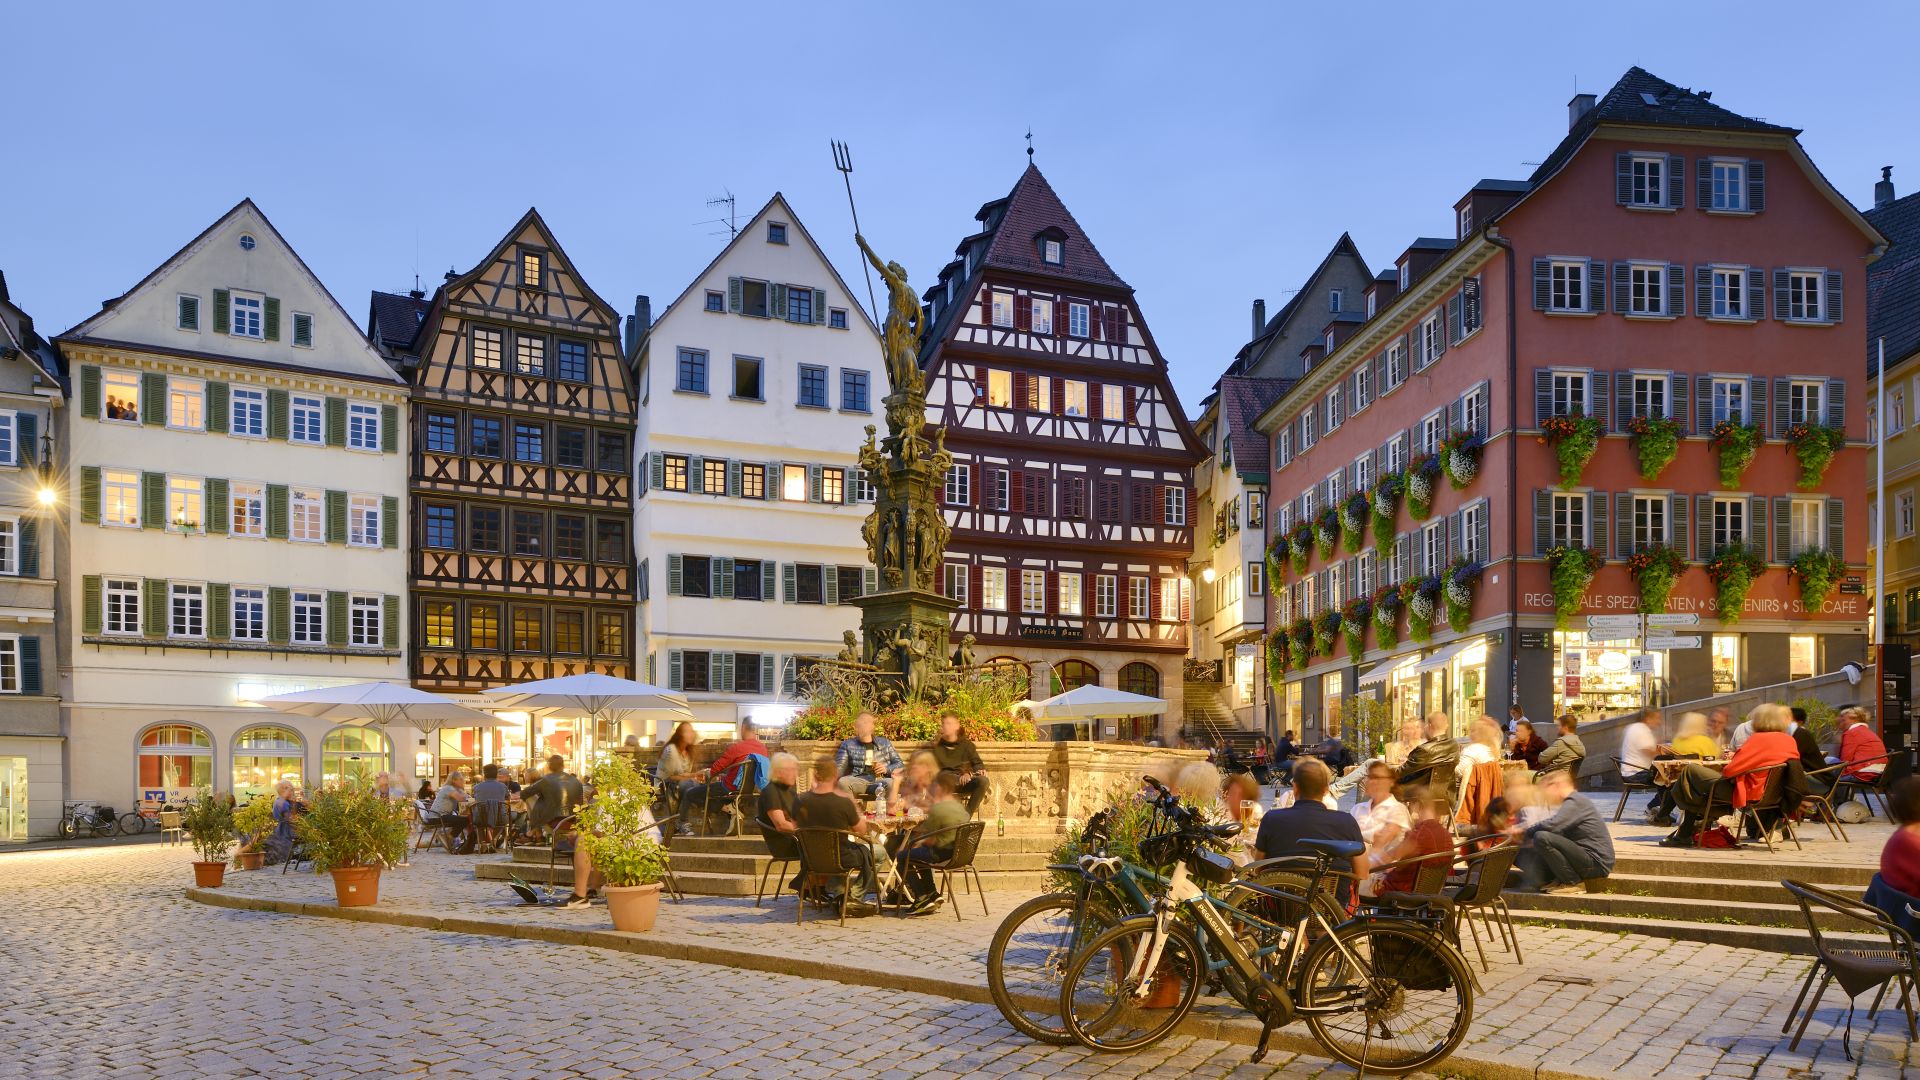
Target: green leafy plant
{"x":1423,"y":475}
{"x":1300,"y":544}
{"x":1326,"y":627}
{"x":1656,"y":442}
{"x":1460,"y":456}
{"x":1456,"y":587}
{"x":1130,"y":822}
{"x":1816,"y":571}
{"x":1421,"y":595}
{"x":1276,"y":652}
{"x":1655,"y":570}
{"x":1386,"y":509}
{"x":984,"y":700}
{"x":1300,"y":643}
{"x":615,"y":827}
{"x":1386,"y":615}
{"x":1821,"y":719}
{"x":254,"y":822}
{"x":1734,"y":446}
{"x":1354,"y":510}
{"x":1366,"y":723}
{"x":1572,"y":570}
{"x":1814,"y":447}
{"x":352,"y":826}
{"x":208,"y":821}
{"x":1277,"y":559}
{"x":1574,"y":438}
{"x":1353,"y":625}
{"x":1326,"y":532}
{"x":1732,"y":570}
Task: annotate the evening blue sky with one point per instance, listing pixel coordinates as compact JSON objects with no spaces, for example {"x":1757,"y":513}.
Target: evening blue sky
{"x":1213,"y":153}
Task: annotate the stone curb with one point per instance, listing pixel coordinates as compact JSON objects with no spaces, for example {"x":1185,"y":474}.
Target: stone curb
{"x":1237,"y":1029}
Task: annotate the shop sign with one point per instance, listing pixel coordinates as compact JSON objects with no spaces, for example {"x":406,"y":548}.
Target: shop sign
{"x":1047,"y":632}
{"x":1574,"y":659}
{"x":1534,"y":639}
{"x":1573,"y":686}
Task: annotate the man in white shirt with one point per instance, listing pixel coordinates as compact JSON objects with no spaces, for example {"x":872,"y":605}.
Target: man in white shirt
{"x":1639,"y":745}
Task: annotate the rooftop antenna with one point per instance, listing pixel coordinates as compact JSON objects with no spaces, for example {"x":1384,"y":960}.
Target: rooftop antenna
{"x":843,"y":161}
{"x":733,"y":228}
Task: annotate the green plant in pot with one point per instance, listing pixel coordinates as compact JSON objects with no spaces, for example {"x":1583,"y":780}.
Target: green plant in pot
{"x":1655,"y":569}
{"x":1816,"y":571}
{"x":1574,"y":438}
{"x":352,"y":832}
{"x":1734,"y":445}
{"x":1814,"y":447}
{"x":1733,"y":569}
{"x":1656,"y":442}
{"x":1326,"y":532}
{"x":1572,"y":570}
{"x":1386,"y":509}
{"x":616,"y":829}
{"x":254,"y":822}
{"x":208,"y":822}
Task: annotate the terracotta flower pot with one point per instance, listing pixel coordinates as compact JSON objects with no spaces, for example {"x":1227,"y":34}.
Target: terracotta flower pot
{"x":1164,"y":991}
{"x":209,"y":875}
{"x":252,"y":860}
{"x":356,"y":886}
{"x":633,"y":907}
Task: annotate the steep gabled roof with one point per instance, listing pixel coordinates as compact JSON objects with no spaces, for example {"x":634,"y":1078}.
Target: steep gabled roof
{"x":393,"y":319}
{"x":1893,"y":283}
{"x":1642,"y":99}
{"x":1031,"y":209}
{"x":1278,"y":322}
{"x":531,"y":218}
{"x":1242,"y":400}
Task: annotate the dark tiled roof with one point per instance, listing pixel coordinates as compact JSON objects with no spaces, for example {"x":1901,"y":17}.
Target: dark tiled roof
{"x":1893,"y":283}
{"x":1032,"y":208}
{"x":1431,"y":243}
{"x":1503,"y":185}
{"x":394,"y":319}
{"x":1242,"y":400}
{"x":1277,"y":324}
{"x":1627,"y":103}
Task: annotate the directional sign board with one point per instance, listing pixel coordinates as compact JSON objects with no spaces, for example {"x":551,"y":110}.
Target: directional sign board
{"x":1691,"y":641}
{"x":1614,"y":622}
{"x":1676,"y":618}
{"x":1594,"y":637}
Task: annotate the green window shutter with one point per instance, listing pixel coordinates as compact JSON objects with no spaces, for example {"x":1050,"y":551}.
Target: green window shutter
{"x":673,"y":669}
{"x":336,"y":421}
{"x":156,"y":607}
{"x":90,"y":392}
{"x":29,"y":548}
{"x":337,"y":619}
{"x":389,"y":622}
{"x":676,"y":575}
{"x":273,"y":318}
{"x":30,"y":667}
{"x":768,"y":589}
{"x":153,"y":500}
{"x":279,"y":615}
{"x":336,"y":517}
{"x":777,"y":302}
{"x":766,"y":673}
{"x":153,"y":398}
{"x":277,"y":511}
{"x":389,"y":429}
{"x":390,"y":521}
{"x":733,"y":479}
{"x":813,"y":483}
{"x":656,"y":470}
{"x":90,"y":604}
{"x":219,"y":612}
{"x":217,"y":407}
{"x":89,"y":493}
{"x":869,"y":581}
{"x":830,"y":583}
{"x":789,"y":583}
{"x":697,"y":475}
{"x":222,"y":311}
{"x":733,"y":295}
{"x":723,"y":672}
{"x":278,"y":420}
{"x":723,"y":577}
{"x":217,"y":505}
{"x":820,"y":307}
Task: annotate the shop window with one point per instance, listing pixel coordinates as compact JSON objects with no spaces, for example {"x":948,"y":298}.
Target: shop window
{"x":1331,"y":696}
{"x":1803,"y":656}
{"x":1073,"y":674}
{"x":352,"y":755}
{"x":174,"y":762}
{"x":262,"y":757}
{"x":1725,"y":654}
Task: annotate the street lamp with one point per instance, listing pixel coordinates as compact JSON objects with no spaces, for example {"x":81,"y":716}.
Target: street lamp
{"x":48,"y":494}
{"x":1207,"y":575}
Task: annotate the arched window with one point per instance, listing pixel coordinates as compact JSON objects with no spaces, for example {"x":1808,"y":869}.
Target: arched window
{"x":1073,"y":674}
{"x":265,"y":755}
{"x":173,"y":762}
{"x":1139,"y":678}
{"x":351,"y":755}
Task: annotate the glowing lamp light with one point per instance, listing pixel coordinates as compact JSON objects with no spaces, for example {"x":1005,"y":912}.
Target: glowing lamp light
{"x":47,"y":496}
{"x":1208,"y":575}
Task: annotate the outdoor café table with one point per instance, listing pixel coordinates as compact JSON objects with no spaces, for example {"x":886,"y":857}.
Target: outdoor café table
{"x":1667,"y":770}
{"x":882,"y":828}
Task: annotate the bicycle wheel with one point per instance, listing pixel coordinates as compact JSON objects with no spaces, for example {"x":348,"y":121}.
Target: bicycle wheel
{"x":132,"y":823}
{"x":67,"y":828}
{"x":1407,"y":992}
{"x":1107,"y":1006}
{"x":1029,"y":956}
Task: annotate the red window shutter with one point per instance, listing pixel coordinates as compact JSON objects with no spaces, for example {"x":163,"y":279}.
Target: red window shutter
{"x":1133,"y":401}
{"x":1020,"y":390}
{"x":1086,"y":592}
{"x":976,"y":582}
{"x":1016,"y":484}
{"x":1061,"y":311}
{"x":1153,"y":599}
{"x":1053,"y":593}
{"x":1097,"y":318}
{"x":1160,"y":503}
{"x":1093,"y":401}
{"x":986,"y":307}
{"x":1059,"y":397}
{"x":1186,"y":605}
{"x":1022,"y":312}
{"x":977,"y":485}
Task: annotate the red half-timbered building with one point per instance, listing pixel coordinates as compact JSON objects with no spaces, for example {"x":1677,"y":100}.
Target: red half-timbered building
{"x":1071,"y":493}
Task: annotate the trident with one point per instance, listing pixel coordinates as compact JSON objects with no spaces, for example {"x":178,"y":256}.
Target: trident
{"x":843,"y":160}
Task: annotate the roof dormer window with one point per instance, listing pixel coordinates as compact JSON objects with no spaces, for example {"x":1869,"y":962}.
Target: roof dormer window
{"x":1406,"y":274}
{"x":1050,"y":252}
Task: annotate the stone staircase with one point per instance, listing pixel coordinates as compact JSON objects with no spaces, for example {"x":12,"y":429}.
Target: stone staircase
{"x":732,"y":865}
{"x":1202,"y":708}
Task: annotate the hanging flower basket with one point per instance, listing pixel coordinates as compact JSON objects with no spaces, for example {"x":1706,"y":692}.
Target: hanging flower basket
{"x":1277,"y":659}
{"x":1814,"y":447}
{"x":1277,"y":559}
{"x":1423,"y":473}
{"x":1656,"y":442}
{"x":1421,"y":596}
{"x":1326,"y":532}
{"x":1386,"y":509}
{"x":1386,"y":615}
{"x":1734,"y":445}
{"x":1353,"y":521}
{"x":1299,"y":643}
{"x":1733,"y":569}
{"x":1574,"y":438}
{"x":1460,"y":456}
{"x":1572,"y":570}
{"x":1816,"y":570}
{"x":1353,"y":625}
{"x":1655,"y":570}
{"x":1300,"y":545}
{"x":1457,"y":587}
{"x":1325,"y":627}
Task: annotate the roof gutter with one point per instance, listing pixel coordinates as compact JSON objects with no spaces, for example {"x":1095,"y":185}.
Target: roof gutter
{"x":1513,"y":467}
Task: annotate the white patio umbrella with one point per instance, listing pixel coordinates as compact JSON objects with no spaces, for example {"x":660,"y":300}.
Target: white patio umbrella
{"x":1090,"y":701}
{"x":381,"y":703}
{"x":593,"y":697}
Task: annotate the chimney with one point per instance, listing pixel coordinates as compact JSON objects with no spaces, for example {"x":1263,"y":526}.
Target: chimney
{"x":1259,"y":317}
{"x":417,"y":294}
{"x":1883,"y":191}
{"x":1581,"y":105}
{"x":638,"y":323}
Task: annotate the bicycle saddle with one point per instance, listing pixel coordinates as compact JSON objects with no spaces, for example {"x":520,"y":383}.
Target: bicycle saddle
{"x":1334,"y":849}
{"x":1221,"y":832}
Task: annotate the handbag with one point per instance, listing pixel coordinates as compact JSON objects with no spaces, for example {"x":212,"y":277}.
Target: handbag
{"x":1717,"y":837}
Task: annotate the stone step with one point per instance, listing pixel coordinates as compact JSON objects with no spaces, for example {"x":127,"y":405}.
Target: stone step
{"x":1721,"y":890}
{"x":1733,"y":935}
{"x":703,"y":883}
{"x":1747,"y":864}
{"x":1628,"y":912}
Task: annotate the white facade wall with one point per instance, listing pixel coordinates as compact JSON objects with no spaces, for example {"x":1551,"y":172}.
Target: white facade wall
{"x":775,"y":429}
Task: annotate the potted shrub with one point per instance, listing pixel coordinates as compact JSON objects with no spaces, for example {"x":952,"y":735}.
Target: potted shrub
{"x":209,"y":825}
{"x":616,"y":829}
{"x":254,"y":822}
{"x":352,"y":832}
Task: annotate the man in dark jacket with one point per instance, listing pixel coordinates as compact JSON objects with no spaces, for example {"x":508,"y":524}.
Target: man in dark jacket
{"x":956,"y":755}
{"x":1812,"y":758}
{"x":1431,"y":764}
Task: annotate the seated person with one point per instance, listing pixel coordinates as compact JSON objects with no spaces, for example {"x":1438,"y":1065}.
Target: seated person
{"x":725,"y":776}
{"x":946,"y":814}
{"x":1198,"y":786}
{"x":1569,"y":849}
{"x":1768,"y":746}
{"x":868,"y":762}
{"x":825,"y":806}
{"x":1567,"y":750}
{"x":913,"y":789}
{"x":1690,"y":738}
{"x":1281,"y":831}
{"x":552,"y":797}
{"x":1242,"y":802}
{"x":1527,"y":746}
{"x":1900,"y":858}
{"x":1384,"y":820}
{"x":1432,"y":764}
{"x":1812,"y":759}
{"x":491,"y":793}
{"x":450,"y":811}
{"x":1428,"y":836}
{"x":778,"y":821}
{"x":675,"y":775}
{"x":957,"y":755}
{"x":1639,"y":746}
{"x":1861,"y":747}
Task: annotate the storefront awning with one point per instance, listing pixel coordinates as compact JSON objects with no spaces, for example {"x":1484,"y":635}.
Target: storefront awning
{"x":1439,"y":659}
{"x":1387,"y":669}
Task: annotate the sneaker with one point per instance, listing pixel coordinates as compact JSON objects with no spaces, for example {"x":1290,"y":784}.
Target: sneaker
{"x":575,"y":900}
{"x":926,"y":905}
{"x":860,"y":908}
{"x":1563,"y":888}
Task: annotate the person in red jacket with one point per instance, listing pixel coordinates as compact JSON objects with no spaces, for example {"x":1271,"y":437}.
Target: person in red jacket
{"x":1769,"y":745}
{"x":723,"y":779}
{"x":1860,"y":746}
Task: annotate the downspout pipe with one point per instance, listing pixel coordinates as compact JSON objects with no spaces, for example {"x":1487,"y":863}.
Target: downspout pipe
{"x":1513,"y":469}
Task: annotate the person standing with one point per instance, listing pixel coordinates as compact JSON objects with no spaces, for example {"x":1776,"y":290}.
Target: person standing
{"x":868,"y":762}
{"x":956,"y":754}
{"x":1570,"y":848}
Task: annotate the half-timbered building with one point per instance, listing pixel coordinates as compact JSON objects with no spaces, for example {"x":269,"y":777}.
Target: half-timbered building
{"x":1071,"y":491}
{"x":521,"y":559}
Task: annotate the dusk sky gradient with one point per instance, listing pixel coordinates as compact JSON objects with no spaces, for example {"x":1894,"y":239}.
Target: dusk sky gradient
{"x":1213,"y":153}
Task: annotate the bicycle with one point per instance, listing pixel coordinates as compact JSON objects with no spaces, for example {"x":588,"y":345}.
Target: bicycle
{"x":1033,"y":944}
{"x":1394,"y":974}
{"x":87,"y":819}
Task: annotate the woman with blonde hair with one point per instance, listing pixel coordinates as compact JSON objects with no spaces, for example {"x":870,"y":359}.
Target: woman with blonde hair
{"x":1743,"y":780}
{"x":1198,"y":786}
{"x":913,"y":789}
{"x":1690,"y":738}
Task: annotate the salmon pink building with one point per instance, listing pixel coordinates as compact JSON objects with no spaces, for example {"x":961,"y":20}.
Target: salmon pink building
{"x":1628,"y":384}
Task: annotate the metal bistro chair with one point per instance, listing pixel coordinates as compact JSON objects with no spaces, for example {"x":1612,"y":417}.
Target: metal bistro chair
{"x":493,"y":824}
{"x":783,"y":850}
{"x":1481,"y":893}
{"x":1626,"y":789}
{"x":171,"y":831}
{"x":1771,"y":799}
{"x":1855,"y":968}
{"x":959,"y":860}
{"x":744,"y":773}
{"x":1428,"y":891}
{"x":296,"y":853}
{"x":433,"y":830}
{"x":666,"y":826}
{"x":1848,"y":787}
{"x":824,"y":857}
